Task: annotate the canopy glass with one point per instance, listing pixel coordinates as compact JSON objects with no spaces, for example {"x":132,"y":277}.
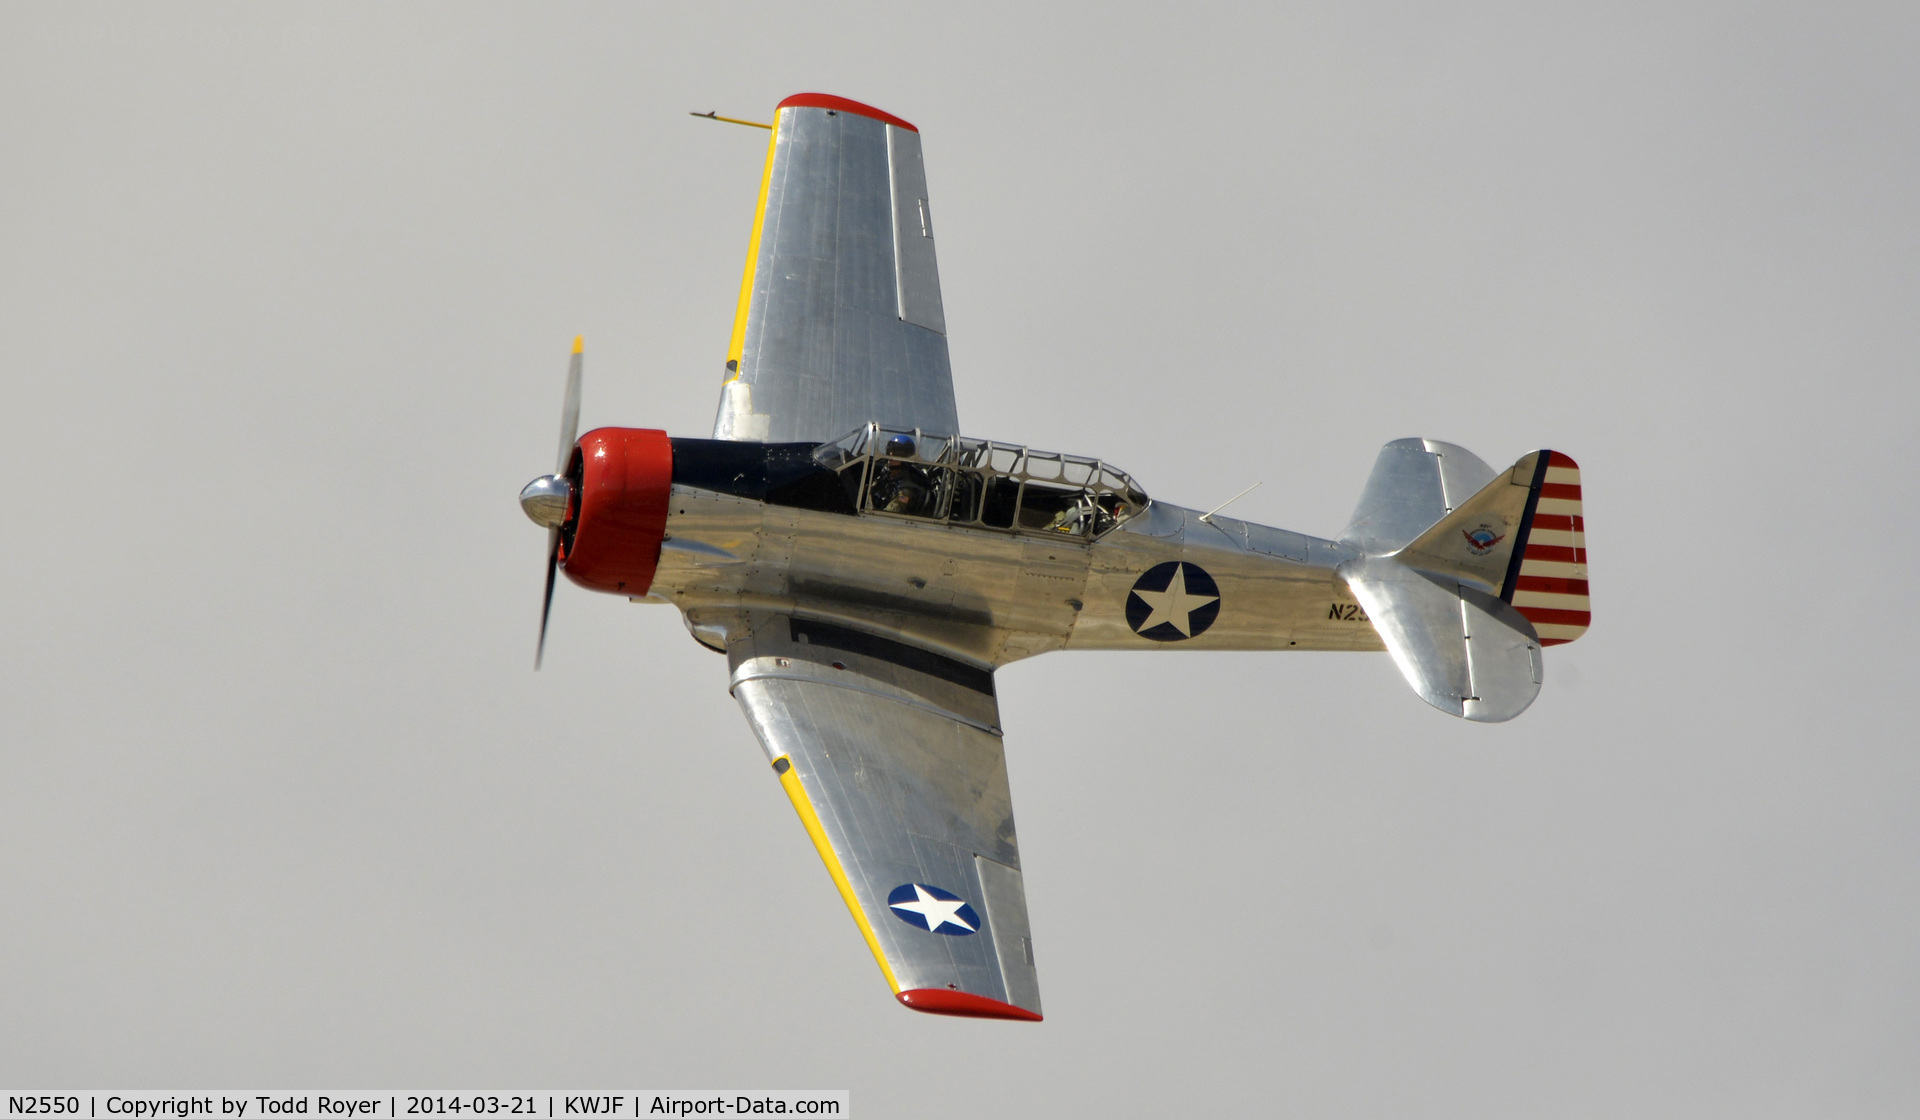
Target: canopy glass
{"x":979,"y":483}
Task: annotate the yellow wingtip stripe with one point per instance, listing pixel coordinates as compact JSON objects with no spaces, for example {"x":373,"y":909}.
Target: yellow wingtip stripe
{"x":737,"y":345}
{"x":802,"y":804}
{"x":579,"y":343}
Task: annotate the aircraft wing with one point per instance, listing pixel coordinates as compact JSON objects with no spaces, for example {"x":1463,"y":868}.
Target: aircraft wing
{"x":840,"y":320}
{"x":891,"y":756}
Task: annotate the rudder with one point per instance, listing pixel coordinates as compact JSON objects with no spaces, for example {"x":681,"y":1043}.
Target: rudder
{"x":1548,"y":578}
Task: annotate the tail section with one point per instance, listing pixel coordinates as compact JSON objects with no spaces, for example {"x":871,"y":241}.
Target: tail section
{"x":1466,"y":585}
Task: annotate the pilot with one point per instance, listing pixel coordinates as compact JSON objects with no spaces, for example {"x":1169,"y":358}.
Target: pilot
{"x":897,"y":488}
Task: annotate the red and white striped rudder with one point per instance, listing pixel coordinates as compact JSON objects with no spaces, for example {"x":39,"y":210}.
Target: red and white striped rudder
{"x":1548,"y":583}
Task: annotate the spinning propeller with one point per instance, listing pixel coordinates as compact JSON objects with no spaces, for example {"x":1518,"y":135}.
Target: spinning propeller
{"x":546,"y":498}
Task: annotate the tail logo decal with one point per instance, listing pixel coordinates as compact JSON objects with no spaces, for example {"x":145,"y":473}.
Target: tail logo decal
{"x":1482,"y":540}
{"x":1172,"y":602}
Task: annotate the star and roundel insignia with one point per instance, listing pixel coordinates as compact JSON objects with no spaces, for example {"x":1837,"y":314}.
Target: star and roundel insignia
{"x":931,"y":908}
{"x":1172,"y":602}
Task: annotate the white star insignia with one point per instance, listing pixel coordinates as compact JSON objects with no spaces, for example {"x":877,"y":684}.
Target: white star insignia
{"x":1174,"y":604}
{"x":937,"y":912}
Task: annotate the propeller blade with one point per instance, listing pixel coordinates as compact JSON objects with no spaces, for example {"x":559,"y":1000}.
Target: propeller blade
{"x":546,"y":607}
{"x":569,"y":431}
{"x":570,"y":415}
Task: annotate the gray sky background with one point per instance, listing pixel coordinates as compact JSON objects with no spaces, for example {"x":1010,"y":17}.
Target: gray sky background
{"x":285,"y":301}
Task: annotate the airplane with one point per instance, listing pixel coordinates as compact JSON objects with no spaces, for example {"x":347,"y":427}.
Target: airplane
{"x":866,"y":569}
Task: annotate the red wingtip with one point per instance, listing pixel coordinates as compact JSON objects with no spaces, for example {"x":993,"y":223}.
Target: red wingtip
{"x":937,"y":1001}
{"x":841,"y":104}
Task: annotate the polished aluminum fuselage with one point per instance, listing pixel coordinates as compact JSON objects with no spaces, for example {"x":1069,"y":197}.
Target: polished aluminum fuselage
{"x":993,"y":597}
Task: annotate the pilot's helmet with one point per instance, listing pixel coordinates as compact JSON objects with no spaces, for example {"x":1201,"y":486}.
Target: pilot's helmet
{"x":900,"y":447}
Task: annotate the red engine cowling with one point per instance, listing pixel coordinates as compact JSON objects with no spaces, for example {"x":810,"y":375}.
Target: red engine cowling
{"x":622,"y":481}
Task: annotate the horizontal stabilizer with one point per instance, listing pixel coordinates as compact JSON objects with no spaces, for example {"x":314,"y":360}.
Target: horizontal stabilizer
{"x":1464,"y":651}
{"x":1415,"y":482}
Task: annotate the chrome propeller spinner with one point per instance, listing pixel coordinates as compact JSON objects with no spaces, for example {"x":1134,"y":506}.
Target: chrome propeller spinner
{"x":546,"y":498}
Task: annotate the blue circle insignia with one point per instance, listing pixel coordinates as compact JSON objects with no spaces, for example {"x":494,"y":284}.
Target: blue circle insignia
{"x":931,"y":908}
{"x":1172,"y":602}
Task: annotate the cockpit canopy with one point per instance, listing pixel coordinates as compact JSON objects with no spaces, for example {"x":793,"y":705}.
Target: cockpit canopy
{"x":979,"y":483}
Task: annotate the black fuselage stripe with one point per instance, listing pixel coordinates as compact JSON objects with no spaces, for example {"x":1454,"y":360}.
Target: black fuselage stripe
{"x":896,"y":653}
{"x":1526,"y":528}
{"x":779,"y":474}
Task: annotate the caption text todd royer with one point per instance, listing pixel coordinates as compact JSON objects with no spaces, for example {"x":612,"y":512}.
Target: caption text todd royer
{"x":318,"y":1104}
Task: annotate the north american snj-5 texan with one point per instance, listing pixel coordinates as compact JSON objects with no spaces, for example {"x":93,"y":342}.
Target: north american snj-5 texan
{"x":865,"y":568}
